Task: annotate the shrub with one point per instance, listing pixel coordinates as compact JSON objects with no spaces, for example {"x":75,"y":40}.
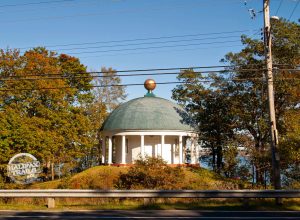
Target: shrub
{"x":65,"y":183}
{"x":151,"y":173}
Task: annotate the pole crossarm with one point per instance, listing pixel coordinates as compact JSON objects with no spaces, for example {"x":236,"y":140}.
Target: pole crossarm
{"x":73,"y":193}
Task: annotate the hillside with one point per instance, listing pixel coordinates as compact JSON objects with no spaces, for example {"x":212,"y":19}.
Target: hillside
{"x":104,"y":177}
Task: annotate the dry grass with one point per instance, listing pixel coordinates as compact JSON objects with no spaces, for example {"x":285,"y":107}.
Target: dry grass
{"x":104,"y":177}
{"x":131,"y":204}
{"x":99,"y":177}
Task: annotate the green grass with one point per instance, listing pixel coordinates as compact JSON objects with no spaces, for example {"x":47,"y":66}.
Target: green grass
{"x":158,"y":204}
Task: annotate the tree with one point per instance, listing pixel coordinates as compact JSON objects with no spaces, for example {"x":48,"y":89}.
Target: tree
{"x":106,"y":99}
{"x":209,"y":111}
{"x":230,"y":161}
{"x":35,"y":116}
{"x":235,"y":102}
{"x":290,"y":149}
{"x":111,"y":96}
{"x":251,"y":95}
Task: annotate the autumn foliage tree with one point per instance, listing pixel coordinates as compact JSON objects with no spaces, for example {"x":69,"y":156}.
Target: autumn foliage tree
{"x":43,"y":99}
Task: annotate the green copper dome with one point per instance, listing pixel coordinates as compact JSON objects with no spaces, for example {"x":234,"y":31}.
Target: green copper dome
{"x":146,"y":113}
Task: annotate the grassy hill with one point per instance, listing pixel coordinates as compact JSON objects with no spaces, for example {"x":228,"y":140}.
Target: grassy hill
{"x":104,"y":177}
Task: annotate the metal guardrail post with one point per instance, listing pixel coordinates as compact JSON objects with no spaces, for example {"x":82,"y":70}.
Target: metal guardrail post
{"x":147,"y":201}
{"x":51,"y":203}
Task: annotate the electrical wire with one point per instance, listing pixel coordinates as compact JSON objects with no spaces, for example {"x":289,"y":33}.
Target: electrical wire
{"x":278,"y":7}
{"x":156,"y":47}
{"x":128,"y":75}
{"x":143,"y":43}
{"x":131,"y":11}
{"x":143,"y":39}
{"x":138,"y":84}
{"x":77,"y":74}
{"x":161,"y":51}
{"x":34,"y":3}
{"x":143,"y":74}
{"x":138,"y":70}
{"x":294,"y":9}
{"x":52,"y":7}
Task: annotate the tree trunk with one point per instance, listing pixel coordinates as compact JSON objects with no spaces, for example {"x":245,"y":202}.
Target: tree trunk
{"x":219,"y":158}
{"x":48,"y":165}
{"x":52,"y":171}
{"x":259,"y":175}
{"x":259,"y":167}
{"x":253,"y":175}
{"x":213,"y":158}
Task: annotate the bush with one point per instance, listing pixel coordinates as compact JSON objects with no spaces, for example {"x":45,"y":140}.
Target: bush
{"x":65,"y":183}
{"x":151,"y":173}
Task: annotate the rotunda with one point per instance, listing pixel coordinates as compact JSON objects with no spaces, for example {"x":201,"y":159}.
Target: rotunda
{"x":148,"y":126}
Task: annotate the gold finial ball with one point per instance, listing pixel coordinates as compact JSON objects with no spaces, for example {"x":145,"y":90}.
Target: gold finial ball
{"x":150,"y":84}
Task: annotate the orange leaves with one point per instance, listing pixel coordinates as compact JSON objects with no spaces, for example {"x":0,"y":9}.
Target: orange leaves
{"x":41,"y":97}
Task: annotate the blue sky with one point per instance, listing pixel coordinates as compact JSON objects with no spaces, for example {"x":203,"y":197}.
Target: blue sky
{"x":30,"y":23}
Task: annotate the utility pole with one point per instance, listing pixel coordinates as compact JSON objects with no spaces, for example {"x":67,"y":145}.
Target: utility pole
{"x":269,"y":76}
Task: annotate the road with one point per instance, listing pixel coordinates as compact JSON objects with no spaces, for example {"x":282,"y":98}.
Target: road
{"x":149,"y":214}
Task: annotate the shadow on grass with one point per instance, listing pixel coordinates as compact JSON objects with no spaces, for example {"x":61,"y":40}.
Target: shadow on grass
{"x":163,"y":204}
{"x":234,"y":205}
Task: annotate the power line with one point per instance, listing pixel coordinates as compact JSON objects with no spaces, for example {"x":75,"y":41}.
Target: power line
{"x":163,"y":51}
{"x":138,"y":70}
{"x":143,"y":39}
{"x":230,"y":69}
{"x":34,"y":3}
{"x":135,"y":10}
{"x":16,"y":78}
{"x":52,"y":7}
{"x":102,"y":86}
{"x":138,"y":84}
{"x":279,"y":7}
{"x":155,"y":47}
{"x":128,"y":75}
{"x":143,"y":43}
{"x":294,"y":9}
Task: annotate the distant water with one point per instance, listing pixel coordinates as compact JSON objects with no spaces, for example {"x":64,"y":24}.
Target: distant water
{"x":206,"y":161}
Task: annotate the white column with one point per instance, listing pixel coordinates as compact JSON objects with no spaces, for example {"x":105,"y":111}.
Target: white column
{"x":180,"y":150}
{"x":123,"y":149}
{"x":103,"y":150}
{"x":172,"y":153}
{"x":162,"y":138}
{"x":193,"y":151}
{"x":142,"y":147}
{"x":156,"y":150}
{"x":109,"y":150}
{"x":197,"y":151}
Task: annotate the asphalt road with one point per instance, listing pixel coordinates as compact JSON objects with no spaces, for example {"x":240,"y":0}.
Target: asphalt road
{"x":149,"y":214}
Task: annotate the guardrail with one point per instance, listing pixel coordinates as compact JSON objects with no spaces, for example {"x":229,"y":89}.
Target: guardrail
{"x":51,"y":194}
